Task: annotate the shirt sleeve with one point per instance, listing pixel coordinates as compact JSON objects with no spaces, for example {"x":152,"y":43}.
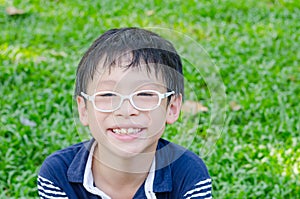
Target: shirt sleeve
{"x":49,"y":190}
{"x":200,"y":190}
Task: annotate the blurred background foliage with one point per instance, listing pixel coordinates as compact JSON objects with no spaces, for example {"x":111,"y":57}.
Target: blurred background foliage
{"x":254,"y":43}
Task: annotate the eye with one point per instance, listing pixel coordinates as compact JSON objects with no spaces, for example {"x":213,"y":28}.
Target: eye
{"x":146,"y":94}
{"x":106,"y":95}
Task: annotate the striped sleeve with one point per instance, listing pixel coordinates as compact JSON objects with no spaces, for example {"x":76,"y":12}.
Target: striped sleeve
{"x":201,"y":190}
{"x":47,"y":189}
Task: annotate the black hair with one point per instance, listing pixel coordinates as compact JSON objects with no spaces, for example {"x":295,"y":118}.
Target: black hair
{"x":145,"y":47}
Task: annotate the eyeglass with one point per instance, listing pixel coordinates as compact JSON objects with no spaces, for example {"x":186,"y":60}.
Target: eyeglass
{"x":143,"y":100}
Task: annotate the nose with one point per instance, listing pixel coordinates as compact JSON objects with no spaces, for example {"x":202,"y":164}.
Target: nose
{"x":126,"y":109}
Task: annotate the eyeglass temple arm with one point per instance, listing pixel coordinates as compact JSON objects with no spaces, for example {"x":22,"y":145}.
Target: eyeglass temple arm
{"x":168,"y":94}
{"x":86,"y":96}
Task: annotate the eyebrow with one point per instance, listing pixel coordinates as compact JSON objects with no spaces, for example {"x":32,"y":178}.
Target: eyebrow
{"x":138,"y":84}
{"x":107,"y":82}
{"x":145,"y":82}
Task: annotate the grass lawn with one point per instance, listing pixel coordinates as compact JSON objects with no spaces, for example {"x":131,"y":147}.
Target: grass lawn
{"x":254,"y":45}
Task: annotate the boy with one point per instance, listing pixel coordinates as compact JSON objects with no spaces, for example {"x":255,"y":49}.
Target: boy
{"x":129,"y":85}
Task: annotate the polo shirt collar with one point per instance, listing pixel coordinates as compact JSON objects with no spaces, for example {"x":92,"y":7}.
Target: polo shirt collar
{"x":162,"y":178}
{"x":76,"y":169}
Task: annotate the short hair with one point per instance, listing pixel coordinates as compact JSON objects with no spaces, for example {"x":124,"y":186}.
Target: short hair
{"x":145,"y":48}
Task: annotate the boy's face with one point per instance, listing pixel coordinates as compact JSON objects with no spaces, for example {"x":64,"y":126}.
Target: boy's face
{"x":128,"y":131}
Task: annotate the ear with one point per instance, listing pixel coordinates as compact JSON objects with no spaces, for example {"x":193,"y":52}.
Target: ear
{"x":173,"y":109}
{"x":81,"y":106}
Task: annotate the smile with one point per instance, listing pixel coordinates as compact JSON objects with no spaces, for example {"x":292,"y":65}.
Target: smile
{"x":125,"y":131}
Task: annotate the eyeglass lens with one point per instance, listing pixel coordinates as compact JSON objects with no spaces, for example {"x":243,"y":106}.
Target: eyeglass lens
{"x":145,"y":100}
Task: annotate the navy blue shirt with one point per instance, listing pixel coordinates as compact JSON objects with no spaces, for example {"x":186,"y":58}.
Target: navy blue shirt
{"x":179,"y":173}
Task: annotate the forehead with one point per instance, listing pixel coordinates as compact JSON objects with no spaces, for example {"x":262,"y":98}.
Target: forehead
{"x":126,"y":79}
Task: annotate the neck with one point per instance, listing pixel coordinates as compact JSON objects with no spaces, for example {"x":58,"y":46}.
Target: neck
{"x":110,"y":170}
{"x":132,"y":164}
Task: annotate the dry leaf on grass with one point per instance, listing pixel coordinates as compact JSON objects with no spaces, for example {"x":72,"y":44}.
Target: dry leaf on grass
{"x":193,"y":107}
{"x":149,"y":12}
{"x":292,"y":78}
{"x":58,"y":53}
{"x":234,"y":106}
{"x":40,"y":59}
{"x":14,"y":11}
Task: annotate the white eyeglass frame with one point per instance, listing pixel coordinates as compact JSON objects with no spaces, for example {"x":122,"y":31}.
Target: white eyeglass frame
{"x":161,"y":96}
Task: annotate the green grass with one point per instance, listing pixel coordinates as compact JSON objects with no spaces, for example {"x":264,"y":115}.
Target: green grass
{"x":254,"y":44}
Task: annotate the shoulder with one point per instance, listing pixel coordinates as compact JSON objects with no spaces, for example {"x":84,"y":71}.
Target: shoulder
{"x":55,"y":166}
{"x":191,"y":163}
{"x":181,"y":159}
{"x":190,"y":176}
{"x":61,"y":174}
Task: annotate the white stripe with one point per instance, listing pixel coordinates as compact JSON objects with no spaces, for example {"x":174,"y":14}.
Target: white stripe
{"x":44,"y":179}
{"x":203,"y":181}
{"x":199,"y":194}
{"x":62,"y":193}
{"x":48,"y":185}
{"x":198,"y":189}
{"x":51,"y":197}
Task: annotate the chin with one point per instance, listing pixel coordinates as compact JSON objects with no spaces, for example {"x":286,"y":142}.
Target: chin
{"x":132,"y":151}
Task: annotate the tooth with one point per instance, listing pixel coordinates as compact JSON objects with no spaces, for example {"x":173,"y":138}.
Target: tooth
{"x":123,"y":131}
{"x":126,"y":131}
{"x":131,"y":130}
{"x":116,"y":131}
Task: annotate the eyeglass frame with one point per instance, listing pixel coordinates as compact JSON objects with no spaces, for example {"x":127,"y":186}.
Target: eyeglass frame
{"x":91,"y":98}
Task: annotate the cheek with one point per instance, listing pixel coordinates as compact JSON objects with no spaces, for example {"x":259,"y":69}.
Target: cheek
{"x":95,"y":119}
{"x":157,"y":121}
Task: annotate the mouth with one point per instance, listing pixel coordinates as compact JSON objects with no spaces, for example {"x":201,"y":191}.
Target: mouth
{"x":126,"y":131}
